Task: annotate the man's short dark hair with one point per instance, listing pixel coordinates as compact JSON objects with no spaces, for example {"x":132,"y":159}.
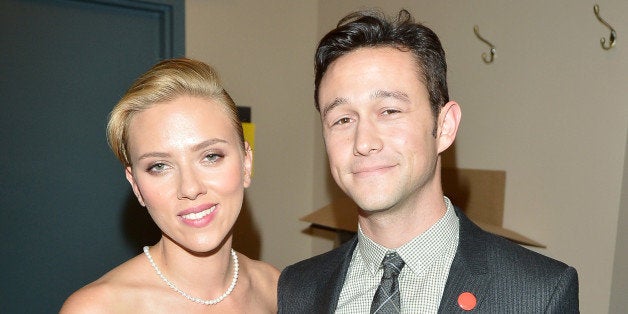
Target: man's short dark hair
{"x":371,"y":28}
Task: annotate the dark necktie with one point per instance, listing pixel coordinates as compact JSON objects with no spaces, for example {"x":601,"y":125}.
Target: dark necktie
{"x":386,"y":299}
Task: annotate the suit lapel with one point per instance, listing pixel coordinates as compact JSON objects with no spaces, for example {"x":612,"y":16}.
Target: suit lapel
{"x":468,"y":272}
{"x":329,"y":298}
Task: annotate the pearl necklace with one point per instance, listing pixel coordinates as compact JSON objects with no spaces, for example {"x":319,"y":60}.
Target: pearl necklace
{"x":189,"y":297}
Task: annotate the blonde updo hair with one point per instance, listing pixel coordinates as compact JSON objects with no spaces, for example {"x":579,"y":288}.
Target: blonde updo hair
{"x":166,"y":81}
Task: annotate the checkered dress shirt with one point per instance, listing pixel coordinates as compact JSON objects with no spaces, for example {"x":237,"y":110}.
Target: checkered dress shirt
{"x":428,"y":258}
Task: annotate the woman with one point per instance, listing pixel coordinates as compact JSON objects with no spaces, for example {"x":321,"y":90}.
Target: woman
{"x":177,"y":133}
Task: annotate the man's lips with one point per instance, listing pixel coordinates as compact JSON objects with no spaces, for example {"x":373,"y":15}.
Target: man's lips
{"x":370,"y":169}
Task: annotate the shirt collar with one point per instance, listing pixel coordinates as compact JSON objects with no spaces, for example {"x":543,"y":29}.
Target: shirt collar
{"x":420,"y":251}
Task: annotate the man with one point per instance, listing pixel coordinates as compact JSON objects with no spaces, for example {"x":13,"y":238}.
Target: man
{"x":381,"y":91}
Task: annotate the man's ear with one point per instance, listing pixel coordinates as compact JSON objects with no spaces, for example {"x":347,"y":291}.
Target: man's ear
{"x":448,"y":122}
{"x":136,"y":190}
{"x":248,"y":164}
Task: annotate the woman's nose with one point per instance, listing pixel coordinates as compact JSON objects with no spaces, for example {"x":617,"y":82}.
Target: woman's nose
{"x":190,"y":185}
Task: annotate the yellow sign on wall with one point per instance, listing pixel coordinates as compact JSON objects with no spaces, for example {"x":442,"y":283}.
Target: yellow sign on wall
{"x":249,"y":133}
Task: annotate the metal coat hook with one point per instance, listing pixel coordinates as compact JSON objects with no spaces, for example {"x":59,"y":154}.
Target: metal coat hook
{"x":486,"y":59}
{"x":611,"y":41}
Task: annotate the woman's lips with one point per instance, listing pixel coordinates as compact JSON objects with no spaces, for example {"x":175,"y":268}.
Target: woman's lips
{"x":199,"y":216}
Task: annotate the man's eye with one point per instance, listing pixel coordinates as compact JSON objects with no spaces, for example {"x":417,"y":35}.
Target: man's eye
{"x":390,"y":111}
{"x":342,"y":121}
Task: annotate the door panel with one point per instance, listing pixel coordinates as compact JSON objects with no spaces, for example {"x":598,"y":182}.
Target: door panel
{"x":67,"y":212}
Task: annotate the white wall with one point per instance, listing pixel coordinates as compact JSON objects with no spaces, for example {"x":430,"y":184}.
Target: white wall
{"x":551,"y":111}
{"x":619,"y":288}
{"x":263,"y":54}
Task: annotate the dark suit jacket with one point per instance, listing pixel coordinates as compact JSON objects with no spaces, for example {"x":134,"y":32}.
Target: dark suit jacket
{"x":504,"y":277}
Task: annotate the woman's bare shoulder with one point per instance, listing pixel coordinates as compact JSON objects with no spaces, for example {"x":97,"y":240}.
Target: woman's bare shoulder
{"x":260,"y":278}
{"x":112,"y":288}
{"x":263,"y":275}
{"x":89,"y":299}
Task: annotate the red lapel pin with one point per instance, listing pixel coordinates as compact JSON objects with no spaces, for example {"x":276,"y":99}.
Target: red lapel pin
{"x":467,"y":301}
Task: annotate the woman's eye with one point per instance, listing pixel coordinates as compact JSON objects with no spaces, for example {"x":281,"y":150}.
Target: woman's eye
{"x":157,"y":167}
{"x":213,"y":157}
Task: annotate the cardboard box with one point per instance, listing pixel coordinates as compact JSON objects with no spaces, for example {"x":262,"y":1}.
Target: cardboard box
{"x":479,"y":193}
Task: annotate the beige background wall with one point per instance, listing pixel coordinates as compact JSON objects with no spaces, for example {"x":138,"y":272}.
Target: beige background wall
{"x":551,"y":110}
{"x":619,"y":289}
{"x":262,"y":53}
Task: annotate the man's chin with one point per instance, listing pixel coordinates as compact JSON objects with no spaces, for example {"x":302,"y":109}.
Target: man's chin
{"x":372,"y":206}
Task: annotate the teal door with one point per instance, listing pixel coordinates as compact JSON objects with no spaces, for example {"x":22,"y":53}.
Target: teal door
{"x":66,"y":212}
